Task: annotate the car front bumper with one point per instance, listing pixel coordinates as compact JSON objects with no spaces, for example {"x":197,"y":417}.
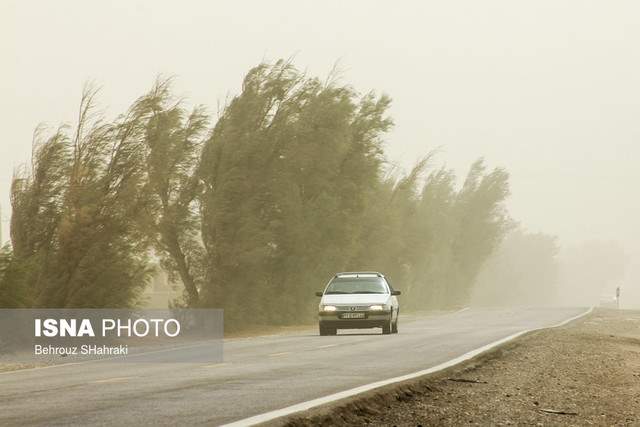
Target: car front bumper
{"x":371,"y":320}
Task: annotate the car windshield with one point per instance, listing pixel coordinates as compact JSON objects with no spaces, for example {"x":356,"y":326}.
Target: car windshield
{"x":352,"y":285}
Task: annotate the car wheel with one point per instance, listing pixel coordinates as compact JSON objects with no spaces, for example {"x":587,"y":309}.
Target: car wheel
{"x":394,"y":328}
{"x":387,"y":327}
{"x":327,"y":331}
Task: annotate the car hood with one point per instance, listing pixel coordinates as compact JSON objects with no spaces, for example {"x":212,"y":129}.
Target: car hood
{"x":355,"y":299}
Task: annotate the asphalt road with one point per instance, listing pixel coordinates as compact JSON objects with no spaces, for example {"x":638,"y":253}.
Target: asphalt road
{"x":258,"y":374}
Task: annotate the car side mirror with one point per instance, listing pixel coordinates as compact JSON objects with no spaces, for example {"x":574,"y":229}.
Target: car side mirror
{"x":395,"y":292}
{"x":318,"y":294}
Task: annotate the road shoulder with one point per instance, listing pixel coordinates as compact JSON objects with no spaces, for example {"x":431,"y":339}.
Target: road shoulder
{"x":587,"y":372}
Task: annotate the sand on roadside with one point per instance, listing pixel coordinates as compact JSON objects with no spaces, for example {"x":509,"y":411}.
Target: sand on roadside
{"x":585,"y":373}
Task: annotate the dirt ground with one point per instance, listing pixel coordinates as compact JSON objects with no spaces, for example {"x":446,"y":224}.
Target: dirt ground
{"x":585,"y":373}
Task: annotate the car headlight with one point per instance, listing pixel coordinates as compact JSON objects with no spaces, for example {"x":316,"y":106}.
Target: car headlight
{"x":376,"y":307}
{"x":329,"y":308}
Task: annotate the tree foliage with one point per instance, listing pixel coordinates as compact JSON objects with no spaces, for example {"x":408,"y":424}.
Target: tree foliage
{"x":73,"y":231}
{"x":296,"y":189}
{"x":174,"y":141}
{"x":289,"y":186}
{"x":289,"y":171}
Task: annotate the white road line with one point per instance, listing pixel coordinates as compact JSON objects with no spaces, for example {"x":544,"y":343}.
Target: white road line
{"x":461,"y":310}
{"x":215,"y":365}
{"x":39,"y":368}
{"x":268,"y":416}
{"x":280,"y":354}
{"x":112,"y":380}
{"x":328,"y":346}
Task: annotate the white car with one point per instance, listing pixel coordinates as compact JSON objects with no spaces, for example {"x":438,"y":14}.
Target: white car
{"x":355,"y":300}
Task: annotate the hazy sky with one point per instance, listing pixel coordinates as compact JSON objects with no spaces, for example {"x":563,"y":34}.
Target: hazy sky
{"x":548,"y":89}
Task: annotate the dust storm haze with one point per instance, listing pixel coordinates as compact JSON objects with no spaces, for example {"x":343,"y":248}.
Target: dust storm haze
{"x":548,"y":90}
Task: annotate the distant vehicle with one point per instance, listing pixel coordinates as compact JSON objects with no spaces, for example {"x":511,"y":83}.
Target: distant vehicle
{"x":357,"y":300}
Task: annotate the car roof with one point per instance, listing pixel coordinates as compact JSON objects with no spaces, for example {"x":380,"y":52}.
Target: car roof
{"x":359,"y":273}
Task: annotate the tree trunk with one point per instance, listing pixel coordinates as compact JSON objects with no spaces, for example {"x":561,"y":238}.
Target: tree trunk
{"x":188,"y":281}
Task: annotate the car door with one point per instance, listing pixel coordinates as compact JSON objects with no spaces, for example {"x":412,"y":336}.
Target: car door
{"x":394,"y":300}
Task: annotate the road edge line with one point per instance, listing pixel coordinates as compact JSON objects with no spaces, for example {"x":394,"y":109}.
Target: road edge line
{"x":299,"y":407}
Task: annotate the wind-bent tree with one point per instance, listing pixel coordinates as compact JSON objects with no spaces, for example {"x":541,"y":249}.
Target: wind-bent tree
{"x":436,"y":226}
{"x":288,"y":173}
{"x":433,"y":241}
{"x":74,"y":235}
{"x":482,"y":223}
{"x":173,"y":148}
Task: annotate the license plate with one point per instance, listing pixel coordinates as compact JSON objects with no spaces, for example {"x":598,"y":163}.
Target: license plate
{"x":352,"y":316}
